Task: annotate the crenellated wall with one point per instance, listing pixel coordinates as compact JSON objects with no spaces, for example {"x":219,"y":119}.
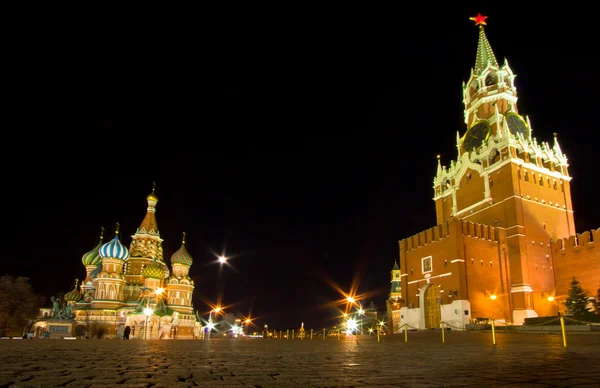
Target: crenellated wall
{"x":465,"y":265}
{"x":578,"y":256}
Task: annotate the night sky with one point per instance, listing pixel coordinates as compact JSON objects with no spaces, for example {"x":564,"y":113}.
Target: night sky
{"x":304,"y":149}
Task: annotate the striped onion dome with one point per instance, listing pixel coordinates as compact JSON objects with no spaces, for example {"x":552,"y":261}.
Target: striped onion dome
{"x":74,"y":295}
{"x":182,"y":256}
{"x":93,"y":257}
{"x":114,"y":248}
{"x":154,"y":271}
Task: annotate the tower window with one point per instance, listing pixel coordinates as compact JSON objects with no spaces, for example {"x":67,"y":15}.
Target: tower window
{"x":526,"y":177}
{"x":554,"y":185}
{"x":490,"y":80}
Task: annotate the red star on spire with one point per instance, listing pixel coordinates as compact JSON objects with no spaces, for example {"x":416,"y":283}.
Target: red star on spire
{"x":479,"y":19}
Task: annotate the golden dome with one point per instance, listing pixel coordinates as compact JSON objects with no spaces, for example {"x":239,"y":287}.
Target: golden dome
{"x":152,"y":196}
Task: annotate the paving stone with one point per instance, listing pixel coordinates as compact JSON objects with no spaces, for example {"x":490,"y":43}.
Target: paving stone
{"x":464,"y":360}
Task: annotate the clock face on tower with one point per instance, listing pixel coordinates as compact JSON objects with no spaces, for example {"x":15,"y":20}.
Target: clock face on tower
{"x":478,"y":132}
{"x":516,"y":124}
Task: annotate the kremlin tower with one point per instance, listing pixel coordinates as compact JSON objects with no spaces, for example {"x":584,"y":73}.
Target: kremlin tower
{"x":505,"y":245}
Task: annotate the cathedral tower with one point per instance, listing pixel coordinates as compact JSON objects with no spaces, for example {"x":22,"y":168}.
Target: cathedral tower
{"x":505,"y":178}
{"x":110,"y":283}
{"x":91,"y":260}
{"x":146,"y":250}
{"x":180,"y":286}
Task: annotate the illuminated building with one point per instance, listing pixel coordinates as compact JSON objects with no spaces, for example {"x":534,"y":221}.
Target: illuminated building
{"x":121,"y":283}
{"x":505,"y":245}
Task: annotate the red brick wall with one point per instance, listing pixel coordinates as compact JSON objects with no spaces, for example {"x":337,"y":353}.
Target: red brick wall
{"x":580,"y":259}
{"x":471,"y":190}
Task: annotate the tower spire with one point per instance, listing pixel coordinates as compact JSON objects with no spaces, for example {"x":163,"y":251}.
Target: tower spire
{"x":485,"y":55}
{"x":556,"y":146}
{"x":117,"y":227}
{"x":439,"y":166}
{"x":101,"y":233}
{"x":183,"y":239}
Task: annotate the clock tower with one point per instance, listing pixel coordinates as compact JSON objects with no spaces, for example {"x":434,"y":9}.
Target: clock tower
{"x":505,"y":178}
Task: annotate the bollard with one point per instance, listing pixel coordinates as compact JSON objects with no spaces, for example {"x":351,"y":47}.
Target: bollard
{"x":493,"y":333}
{"x":405,"y":332}
{"x":338,"y":334}
{"x":324,"y":333}
{"x":280,"y":334}
{"x":287,"y":334}
{"x":311,"y":331}
{"x":378,"y":338}
{"x":562,"y":328}
{"x":443,"y":339}
{"x":292,"y":333}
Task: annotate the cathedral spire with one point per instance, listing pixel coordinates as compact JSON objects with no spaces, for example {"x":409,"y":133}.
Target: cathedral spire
{"x":485,"y":55}
{"x":149,"y":224}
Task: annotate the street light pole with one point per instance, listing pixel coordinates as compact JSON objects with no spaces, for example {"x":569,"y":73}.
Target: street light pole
{"x":361,"y":312}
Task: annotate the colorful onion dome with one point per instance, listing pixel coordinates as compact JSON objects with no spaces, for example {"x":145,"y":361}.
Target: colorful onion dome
{"x":182,"y":256}
{"x":114,"y":248}
{"x":93,"y":257}
{"x":74,"y":295}
{"x":154,"y":271}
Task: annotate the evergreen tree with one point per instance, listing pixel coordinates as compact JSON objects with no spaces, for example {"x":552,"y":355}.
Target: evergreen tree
{"x":577,"y":301}
{"x":597,"y":302}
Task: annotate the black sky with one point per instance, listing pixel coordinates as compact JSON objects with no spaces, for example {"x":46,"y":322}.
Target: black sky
{"x":306,"y":147}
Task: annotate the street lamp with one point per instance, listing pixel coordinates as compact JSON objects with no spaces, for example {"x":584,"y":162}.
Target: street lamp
{"x":147,"y":313}
{"x":222,"y":259}
{"x":210,"y":320}
{"x":361,"y":312}
{"x":247,"y":322}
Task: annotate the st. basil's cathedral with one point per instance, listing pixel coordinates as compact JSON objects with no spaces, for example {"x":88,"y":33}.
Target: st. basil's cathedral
{"x":505,"y":246}
{"x":132,"y":288}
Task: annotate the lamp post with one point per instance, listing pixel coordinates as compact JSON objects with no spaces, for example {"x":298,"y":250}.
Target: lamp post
{"x":147,"y":313}
{"x":361,"y":312}
{"x":247,"y":322}
{"x":210,"y":320}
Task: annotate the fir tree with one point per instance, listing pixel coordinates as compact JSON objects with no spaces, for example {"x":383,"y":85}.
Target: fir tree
{"x":577,"y":301}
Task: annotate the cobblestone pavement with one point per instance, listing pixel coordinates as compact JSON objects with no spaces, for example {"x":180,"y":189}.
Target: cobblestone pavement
{"x":464,"y":360}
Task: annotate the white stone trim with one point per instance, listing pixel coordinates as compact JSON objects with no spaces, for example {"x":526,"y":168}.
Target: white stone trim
{"x":508,"y":96}
{"x":457,"y":261}
{"x":432,"y":277}
{"x":523,"y":288}
{"x":483,"y":202}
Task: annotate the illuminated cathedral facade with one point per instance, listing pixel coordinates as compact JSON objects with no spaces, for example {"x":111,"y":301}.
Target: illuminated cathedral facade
{"x":505,"y":245}
{"x":134,"y":287}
